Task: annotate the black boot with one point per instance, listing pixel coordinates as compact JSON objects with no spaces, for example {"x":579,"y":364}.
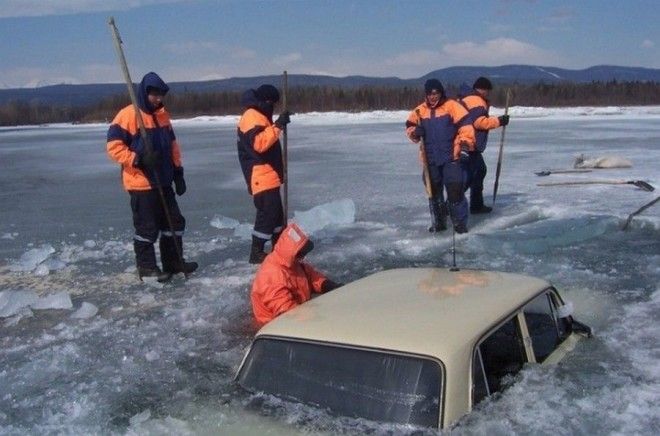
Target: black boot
{"x":145,"y":257}
{"x":172,"y":263}
{"x":274,"y":239}
{"x":438,"y":216}
{"x":161,"y":276}
{"x":257,"y":254}
{"x":477,"y":202}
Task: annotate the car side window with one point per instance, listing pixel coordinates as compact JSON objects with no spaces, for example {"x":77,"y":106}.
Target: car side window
{"x":479,"y":385}
{"x":502,"y":355}
{"x":543,"y":326}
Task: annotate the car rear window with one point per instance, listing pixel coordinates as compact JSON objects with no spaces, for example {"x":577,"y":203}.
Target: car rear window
{"x":370,"y":384}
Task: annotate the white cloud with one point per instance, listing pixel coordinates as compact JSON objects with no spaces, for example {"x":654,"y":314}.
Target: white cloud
{"x":647,"y":43}
{"x":287,"y":59}
{"x":494,"y":52}
{"x":414,"y":58}
{"x":189,"y":48}
{"x":497,"y":51}
{"x":35,"y":8}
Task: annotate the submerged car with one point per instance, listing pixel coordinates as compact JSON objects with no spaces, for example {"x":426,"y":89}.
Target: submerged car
{"x":416,"y":346}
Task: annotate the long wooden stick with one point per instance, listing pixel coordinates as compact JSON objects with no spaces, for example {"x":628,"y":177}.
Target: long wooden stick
{"x":501,"y":152}
{"x":285,"y":153}
{"x":639,"y":183}
{"x":143,"y":134}
{"x":425,"y":161}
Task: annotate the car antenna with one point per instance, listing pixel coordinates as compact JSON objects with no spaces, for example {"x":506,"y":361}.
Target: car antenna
{"x":453,"y":250}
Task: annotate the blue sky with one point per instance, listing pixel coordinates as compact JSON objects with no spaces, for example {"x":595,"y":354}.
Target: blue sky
{"x":50,"y":41}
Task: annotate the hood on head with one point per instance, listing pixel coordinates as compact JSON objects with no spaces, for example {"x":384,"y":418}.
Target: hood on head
{"x":292,"y":241}
{"x":464,"y":90}
{"x":250,"y":99}
{"x":150,"y":80}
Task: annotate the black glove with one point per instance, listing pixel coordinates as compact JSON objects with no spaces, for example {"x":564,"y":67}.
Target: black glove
{"x":149,"y":159}
{"x":465,"y":152}
{"x":328,"y":285}
{"x":283,"y":119}
{"x":179,"y":182}
{"x":419,"y":131}
{"x":504,"y":120}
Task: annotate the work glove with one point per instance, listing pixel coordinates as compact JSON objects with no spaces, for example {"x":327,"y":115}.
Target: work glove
{"x":179,"y":182}
{"x":149,"y":159}
{"x":503,"y":119}
{"x":465,"y":152}
{"x":283,"y":119}
{"x":419,"y":131}
{"x":328,"y":285}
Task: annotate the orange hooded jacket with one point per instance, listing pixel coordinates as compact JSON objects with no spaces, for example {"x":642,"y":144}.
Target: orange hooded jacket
{"x":259,"y":149}
{"x":478,"y":108}
{"x":283,"y":281}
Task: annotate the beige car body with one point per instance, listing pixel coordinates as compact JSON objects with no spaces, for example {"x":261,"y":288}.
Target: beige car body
{"x":431,"y":312}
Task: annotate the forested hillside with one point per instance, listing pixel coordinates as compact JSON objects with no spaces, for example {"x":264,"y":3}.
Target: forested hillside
{"x":331,"y":98}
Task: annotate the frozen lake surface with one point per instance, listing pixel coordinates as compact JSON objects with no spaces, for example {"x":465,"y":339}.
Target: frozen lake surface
{"x":85,"y":348}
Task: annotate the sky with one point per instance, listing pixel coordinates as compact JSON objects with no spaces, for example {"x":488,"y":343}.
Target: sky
{"x":49,"y":41}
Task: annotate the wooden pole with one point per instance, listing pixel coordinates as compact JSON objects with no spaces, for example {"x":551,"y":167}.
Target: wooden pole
{"x":285,"y":152}
{"x":143,"y":134}
{"x":501,"y":152}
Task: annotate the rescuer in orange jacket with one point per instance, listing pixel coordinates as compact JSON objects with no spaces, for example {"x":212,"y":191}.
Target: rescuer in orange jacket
{"x":476,"y":101}
{"x":260,"y":156}
{"x":143,"y":172}
{"x":445,"y":126}
{"x":283,"y":280}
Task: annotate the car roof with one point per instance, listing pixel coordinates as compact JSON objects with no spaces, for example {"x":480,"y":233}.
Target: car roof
{"x":408,"y":309}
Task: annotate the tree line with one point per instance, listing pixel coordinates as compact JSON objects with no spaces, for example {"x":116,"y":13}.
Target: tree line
{"x":326,"y":99}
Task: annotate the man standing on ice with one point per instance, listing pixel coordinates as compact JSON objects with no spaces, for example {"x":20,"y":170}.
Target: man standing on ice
{"x":444,"y":126}
{"x":148,"y":172}
{"x":477,"y":103}
{"x":284,"y":280}
{"x":260,"y":156}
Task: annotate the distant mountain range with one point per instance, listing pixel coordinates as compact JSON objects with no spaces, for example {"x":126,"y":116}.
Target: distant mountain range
{"x":78,"y":95}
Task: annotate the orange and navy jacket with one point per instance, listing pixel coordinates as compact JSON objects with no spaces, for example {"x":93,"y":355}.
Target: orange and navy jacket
{"x":446,"y":126}
{"x":283,"y":281}
{"x":125,"y":144}
{"x":259,"y":150}
{"x":478,"y":108}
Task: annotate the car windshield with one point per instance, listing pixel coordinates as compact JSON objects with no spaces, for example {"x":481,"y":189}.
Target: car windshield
{"x":369,"y":384}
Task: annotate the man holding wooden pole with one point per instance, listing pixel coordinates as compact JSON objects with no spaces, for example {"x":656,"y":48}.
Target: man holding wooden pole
{"x":477,"y":103}
{"x":443,"y":127}
{"x":260,"y":156}
{"x":150,"y":164}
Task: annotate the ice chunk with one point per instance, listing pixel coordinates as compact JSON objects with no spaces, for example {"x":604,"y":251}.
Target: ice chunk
{"x":151,"y":356}
{"x":87,"y":310}
{"x":23,"y":312}
{"x":60,"y":300}
{"x":243,"y":231}
{"x":334,"y":213}
{"x":223,"y":222}
{"x":140,"y":417}
{"x":41,"y":270}
{"x":89,"y":243}
{"x":11,"y":302}
{"x":54,"y":264}
{"x":31,"y":258}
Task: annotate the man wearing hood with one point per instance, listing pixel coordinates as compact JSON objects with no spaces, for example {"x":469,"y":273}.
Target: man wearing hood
{"x":146,"y":171}
{"x":476,"y":102}
{"x":283,"y":280}
{"x":260,"y":156}
{"x":445,"y":127}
